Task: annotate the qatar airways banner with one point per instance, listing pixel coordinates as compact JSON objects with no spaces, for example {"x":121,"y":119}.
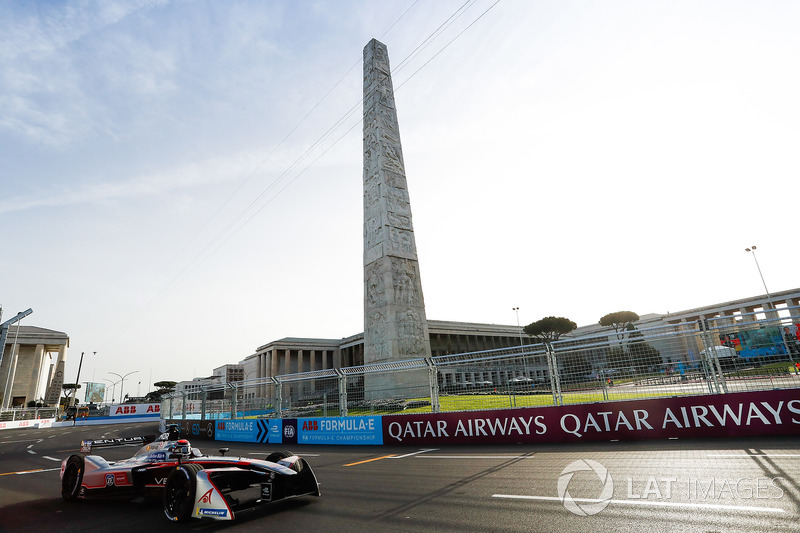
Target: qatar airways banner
{"x":741,"y":414}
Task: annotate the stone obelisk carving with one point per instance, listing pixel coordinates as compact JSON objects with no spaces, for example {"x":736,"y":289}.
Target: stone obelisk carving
{"x":395,"y":327}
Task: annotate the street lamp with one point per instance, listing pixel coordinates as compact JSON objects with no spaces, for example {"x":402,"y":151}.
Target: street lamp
{"x":122,"y":385}
{"x":753,"y":250}
{"x":769,"y":300}
{"x":516,"y":310}
{"x":113,"y":387}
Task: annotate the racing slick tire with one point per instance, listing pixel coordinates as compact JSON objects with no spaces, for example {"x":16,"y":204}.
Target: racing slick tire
{"x":73,"y":478}
{"x":179,"y":492}
{"x":274,"y":457}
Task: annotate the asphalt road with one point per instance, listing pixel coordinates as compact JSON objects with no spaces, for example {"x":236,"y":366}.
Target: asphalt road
{"x":705,"y":486}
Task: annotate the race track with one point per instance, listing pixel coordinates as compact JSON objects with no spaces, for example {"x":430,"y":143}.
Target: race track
{"x":648,"y":486}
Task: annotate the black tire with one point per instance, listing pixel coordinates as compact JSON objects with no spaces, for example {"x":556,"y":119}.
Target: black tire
{"x":179,"y":492}
{"x":274,"y":457}
{"x":73,"y":478}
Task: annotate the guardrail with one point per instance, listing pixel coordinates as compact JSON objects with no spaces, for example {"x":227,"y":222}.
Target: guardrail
{"x":716,"y":356}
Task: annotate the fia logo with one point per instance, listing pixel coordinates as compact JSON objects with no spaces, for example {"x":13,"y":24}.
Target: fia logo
{"x":206,"y":498}
{"x":288,"y":431}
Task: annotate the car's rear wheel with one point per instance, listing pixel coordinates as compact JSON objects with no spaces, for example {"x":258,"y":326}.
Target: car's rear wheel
{"x":179,"y":492}
{"x":72,"y":478}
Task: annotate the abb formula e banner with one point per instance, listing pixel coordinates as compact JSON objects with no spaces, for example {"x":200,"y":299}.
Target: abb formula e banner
{"x":135,"y":409}
{"x":340,"y":430}
{"x":775,"y":412}
{"x":255,"y":430}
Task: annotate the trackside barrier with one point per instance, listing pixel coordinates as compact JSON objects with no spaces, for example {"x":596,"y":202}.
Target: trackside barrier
{"x":722,"y":355}
{"x":765,"y":413}
{"x":32,"y":424}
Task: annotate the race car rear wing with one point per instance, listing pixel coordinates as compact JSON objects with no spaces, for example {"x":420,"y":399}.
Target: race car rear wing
{"x":87,"y":445}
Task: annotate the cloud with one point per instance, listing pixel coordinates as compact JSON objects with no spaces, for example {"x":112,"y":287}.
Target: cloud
{"x":46,"y":84}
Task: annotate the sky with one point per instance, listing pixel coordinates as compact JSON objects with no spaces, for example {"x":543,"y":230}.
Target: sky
{"x":182,"y":180}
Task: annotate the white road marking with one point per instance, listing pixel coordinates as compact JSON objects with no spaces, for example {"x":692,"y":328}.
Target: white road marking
{"x":36,"y":471}
{"x":476,"y":457}
{"x":414,"y":453}
{"x":714,"y":506}
{"x":297,"y":454}
{"x":743,"y":456}
{"x":51,"y":458}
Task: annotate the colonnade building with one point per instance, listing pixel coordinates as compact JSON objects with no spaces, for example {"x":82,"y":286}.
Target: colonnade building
{"x":33,"y":365}
{"x":293,"y":355}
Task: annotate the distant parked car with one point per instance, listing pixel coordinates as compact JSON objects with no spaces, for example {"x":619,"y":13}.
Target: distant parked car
{"x":720,"y":352}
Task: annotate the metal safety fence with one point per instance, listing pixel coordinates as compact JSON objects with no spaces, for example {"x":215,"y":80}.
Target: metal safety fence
{"x":14,"y":415}
{"x":744,"y":352}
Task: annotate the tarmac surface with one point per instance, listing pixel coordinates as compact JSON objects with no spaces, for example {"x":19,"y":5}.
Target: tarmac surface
{"x":717,"y":485}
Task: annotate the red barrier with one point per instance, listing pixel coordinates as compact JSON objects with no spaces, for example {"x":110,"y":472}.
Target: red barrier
{"x":741,"y":414}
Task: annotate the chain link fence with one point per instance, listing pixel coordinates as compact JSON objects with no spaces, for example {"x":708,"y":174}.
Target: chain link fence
{"x":745,"y":352}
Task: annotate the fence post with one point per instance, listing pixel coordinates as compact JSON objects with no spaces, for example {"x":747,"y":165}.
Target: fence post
{"x":711,"y":361}
{"x":278,"y":397}
{"x":203,"y":398}
{"x":342,"y":392}
{"x":183,"y":410}
{"x":433,"y":378}
{"x":555,"y":379}
{"x":234,"y":400}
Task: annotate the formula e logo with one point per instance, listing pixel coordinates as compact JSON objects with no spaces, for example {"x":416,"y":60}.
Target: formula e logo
{"x":195,"y":429}
{"x":109,"y":480}
{"x":288,"y":431}
{"x":206,"y":498}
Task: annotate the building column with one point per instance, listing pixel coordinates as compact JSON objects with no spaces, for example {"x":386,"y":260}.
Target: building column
{"x":36,"y":372}
{"x":273,"y":356}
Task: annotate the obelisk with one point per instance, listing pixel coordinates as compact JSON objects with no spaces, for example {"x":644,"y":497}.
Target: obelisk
{"x":395,"y":326}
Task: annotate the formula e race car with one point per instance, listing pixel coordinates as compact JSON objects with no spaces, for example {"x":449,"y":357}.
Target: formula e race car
{"x":190,"y":484}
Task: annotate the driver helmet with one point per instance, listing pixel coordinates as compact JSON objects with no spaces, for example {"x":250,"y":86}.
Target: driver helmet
{"x":182,"y":447}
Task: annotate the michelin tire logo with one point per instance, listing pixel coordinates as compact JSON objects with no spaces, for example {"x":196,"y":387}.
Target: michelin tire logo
{"x":213,"y":512}
{"x":587,"y":507}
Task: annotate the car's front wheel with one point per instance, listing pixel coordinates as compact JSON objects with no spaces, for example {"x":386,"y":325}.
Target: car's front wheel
{"x":73,"y":478}
{"x":179,"y":492}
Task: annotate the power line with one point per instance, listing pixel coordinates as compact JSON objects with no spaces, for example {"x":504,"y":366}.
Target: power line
{"x":232,"y":228}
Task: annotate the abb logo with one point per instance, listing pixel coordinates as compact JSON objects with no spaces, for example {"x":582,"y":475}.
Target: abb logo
{"x":310,"y":425}
{"x":141,"y":409}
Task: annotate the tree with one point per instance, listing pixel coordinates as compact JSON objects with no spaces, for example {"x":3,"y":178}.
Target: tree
{"x":620,"y":320}
{"x":549,"y":328}
{"x":164,"y":387}
{"x":642,"y":353}
{"x":67,"y":389}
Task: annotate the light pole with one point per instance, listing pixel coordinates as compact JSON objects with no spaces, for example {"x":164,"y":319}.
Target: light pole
{"x":769,"y":296}
{"x":516,"y":310}
{"x":113,"y":387}
{"x":122,"y":384}
{"x":752,"y":250}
